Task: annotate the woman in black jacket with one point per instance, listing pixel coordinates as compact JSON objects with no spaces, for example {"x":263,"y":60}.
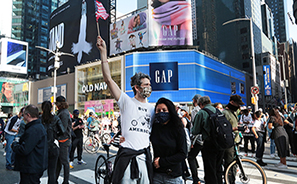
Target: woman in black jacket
{"x":169,"y":143}
{"x":54,"y":127}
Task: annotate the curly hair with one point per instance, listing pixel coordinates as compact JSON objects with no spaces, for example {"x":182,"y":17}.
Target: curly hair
{"x":136,"y":80}
{"x":174,"y":119}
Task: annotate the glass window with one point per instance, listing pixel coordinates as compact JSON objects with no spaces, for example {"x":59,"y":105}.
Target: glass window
{"x":42,"y":69}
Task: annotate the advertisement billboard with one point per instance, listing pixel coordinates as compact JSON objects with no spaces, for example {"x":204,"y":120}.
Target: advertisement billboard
{"x":170,"y":23}
{"x":13,"y":56}
{"x":73,"y":25}
{"x":267,"y":80}
{"x":13,"y":92}
{"x":129,"y":33}
{"x":45,"y":94}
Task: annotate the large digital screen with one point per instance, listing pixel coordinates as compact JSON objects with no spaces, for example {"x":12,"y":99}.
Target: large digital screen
{"x":74,"y":26}
{"x":197,"y":74}
{"x":14,"y":56}
{"x":267,"y":80}
{"x":13,"y":92}
{"x":129,"y":33}
{"x":170,"y":23}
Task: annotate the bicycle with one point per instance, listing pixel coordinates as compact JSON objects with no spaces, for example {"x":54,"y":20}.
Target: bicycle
{"x":104,"y":166}
{"x":93,"y":143}
{"x":247,"y":171}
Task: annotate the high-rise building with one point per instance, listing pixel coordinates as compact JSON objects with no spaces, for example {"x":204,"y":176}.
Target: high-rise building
{"x":30,"y":23}
{"x":282,"y":11}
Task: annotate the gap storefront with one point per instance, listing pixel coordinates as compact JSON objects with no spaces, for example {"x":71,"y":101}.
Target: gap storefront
{"x":179,"y":75}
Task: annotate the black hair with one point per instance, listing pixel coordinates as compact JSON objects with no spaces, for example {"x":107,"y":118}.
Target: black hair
{"x":157,"y":3}
{"x":174,"y":119}
{"x":258,"y":114}
{"x":47,"y":116}
{"x":136,"y":80}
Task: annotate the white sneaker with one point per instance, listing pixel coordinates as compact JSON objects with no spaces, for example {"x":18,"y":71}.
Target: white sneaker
{"x":278,"y":164}
{"x":71,"y":165}
{"x":4,"y":154}
{"x":282,"y":166}
{"x":272,"y":155}
{"x":81,"y":162}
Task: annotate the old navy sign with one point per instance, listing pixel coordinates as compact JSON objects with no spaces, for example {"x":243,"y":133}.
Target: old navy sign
{"x":164,"y":76}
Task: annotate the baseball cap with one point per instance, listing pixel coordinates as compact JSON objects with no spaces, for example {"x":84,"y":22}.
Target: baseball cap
{"x":196,"y":97}
{"x":76,"y":112}
{"x":60,"y":99}
{"x":185,"y":108}
{"x":237,"y":99}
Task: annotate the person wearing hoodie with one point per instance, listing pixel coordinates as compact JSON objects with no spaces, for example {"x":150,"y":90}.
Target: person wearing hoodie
{"x":64,"y":139}
{"x":174,"y":21}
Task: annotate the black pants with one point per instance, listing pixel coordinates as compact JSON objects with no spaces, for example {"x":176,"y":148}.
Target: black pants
{"x":229,"y":158}
{"x":30,"y":178}
{"x":260,"y":145}
{"x":63,"y":161}
{"x":246,"y":143}
{"x":212,"y":160}
{"x":193,"y":161}
{"x":77,"y":143}
{"x":53,"y":155}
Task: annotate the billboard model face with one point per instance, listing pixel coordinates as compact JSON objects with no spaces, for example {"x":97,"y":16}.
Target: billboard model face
{"x":74,"y":26}
{"x":129,"y":33}
{"x":170,"y":23}
{"x":9,"y":88}
{"x":14,"y":56}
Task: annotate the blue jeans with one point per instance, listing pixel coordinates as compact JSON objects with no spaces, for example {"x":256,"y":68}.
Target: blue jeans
{"x":163,"y":178}
{"x":272,"y":144}
{"x":9,"y":153}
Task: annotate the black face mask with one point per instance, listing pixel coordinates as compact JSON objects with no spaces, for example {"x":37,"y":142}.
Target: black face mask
{"x":162,"y":117}
{"x":232,"y":107}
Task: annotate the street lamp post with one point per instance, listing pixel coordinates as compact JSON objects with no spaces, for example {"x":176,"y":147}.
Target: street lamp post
{"x":285,"y":80}
{"x":57,"y":54}
{"x":253,"y":53}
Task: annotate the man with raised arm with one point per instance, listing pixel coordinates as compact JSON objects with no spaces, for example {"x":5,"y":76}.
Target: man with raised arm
{"x":133,"y":163}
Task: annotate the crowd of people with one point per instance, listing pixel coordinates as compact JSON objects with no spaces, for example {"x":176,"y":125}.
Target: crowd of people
{"x":38,"y":141}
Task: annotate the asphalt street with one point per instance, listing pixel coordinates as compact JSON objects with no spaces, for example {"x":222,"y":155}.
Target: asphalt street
{"x":84,"y":174}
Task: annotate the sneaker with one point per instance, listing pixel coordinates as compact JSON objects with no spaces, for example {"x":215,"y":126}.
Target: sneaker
{"x":71,"y":165}
{"x":81,"y":162}
{"x":282,"y":166}
{"x":272,"y":155}
{"x":9,"y":168}
{"x":4,"y":154}
{"x":261,"y":163}
{"x":278,"y":164}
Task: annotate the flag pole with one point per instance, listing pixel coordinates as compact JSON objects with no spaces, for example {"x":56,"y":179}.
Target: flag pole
{"x":98,"y":28}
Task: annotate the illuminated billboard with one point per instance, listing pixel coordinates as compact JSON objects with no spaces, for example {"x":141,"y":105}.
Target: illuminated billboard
{"x":267,"y":80}
{"x":170,"y":23}
{"x":74,"y":26}
{"x":13,"y":92}
{"x":179,"y":75}
{"x":129,"y":33}
{"x":13,"y":56}
{"x":167,"y":24}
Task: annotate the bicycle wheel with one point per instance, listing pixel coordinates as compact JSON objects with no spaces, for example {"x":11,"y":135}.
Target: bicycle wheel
{"x":101,"y":170}
{"x":91,"y":145}
{"x":106,"y":138}
{"x":253,"y":172}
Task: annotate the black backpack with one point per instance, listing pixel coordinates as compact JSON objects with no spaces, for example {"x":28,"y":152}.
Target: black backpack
{"x":221,"y":130}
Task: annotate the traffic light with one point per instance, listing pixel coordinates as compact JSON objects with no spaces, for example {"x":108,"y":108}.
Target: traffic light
{"x":253,"y":100}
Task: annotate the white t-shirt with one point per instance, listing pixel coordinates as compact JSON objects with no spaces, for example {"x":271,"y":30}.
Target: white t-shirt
{"x":136,"y":122}
{"x":259,"y":126}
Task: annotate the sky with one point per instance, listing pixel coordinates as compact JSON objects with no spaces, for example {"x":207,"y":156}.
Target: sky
{"x":124,"y":6}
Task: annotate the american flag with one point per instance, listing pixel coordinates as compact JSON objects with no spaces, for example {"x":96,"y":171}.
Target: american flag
{"x":100,"y":11}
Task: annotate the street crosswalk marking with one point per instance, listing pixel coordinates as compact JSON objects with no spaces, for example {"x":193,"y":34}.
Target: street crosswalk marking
{"x":43,"y":180}
{"x":85,"y":174}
